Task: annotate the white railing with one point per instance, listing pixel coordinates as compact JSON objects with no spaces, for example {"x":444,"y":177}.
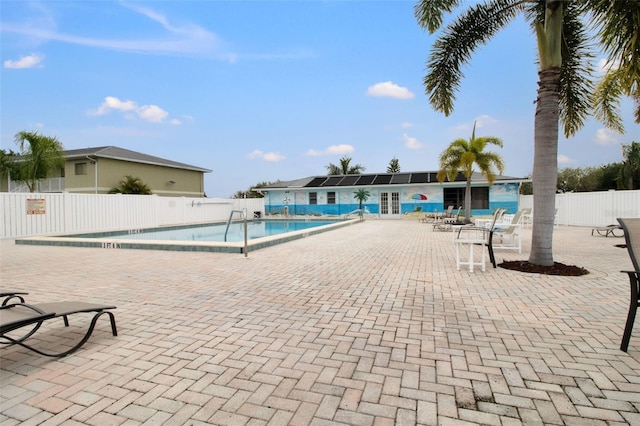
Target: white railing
{"x":37,"y":214}
{"x":592,"y":208}
{"x":43,"y":185}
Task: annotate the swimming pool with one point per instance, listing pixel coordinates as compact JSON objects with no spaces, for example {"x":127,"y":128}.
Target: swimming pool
{"x":208,"y":237}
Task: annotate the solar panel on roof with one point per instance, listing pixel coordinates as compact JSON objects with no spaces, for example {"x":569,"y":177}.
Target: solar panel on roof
{"x":333,"y":181}
{"x":365,"y":179}
{"x":382,"y":179}
{"x":349,"y":180}
{"x":400,"y":178}
{"x":419,"y":178}
{"x":316,"y":182}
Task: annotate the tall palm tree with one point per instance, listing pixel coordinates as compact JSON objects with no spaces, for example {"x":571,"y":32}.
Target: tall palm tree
{"x":463,"y":155}
{"x":345,"y":168}
{"x":564,"y":85}
{"x":39,"y":157}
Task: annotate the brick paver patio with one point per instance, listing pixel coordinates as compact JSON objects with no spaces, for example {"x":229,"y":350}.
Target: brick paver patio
{"x":367,"y":325}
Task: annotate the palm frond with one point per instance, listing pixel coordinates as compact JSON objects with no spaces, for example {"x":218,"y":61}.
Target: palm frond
{"x":429,"y":13}
{"x":576,"y":85}
{"x":606,"y":100}
{"x":454,"y":48}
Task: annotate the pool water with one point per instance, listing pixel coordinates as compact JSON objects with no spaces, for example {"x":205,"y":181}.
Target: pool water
{"x":216,"y":232}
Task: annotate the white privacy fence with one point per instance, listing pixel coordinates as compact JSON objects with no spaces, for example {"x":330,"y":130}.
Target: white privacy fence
{"x":31,"y":214}
{"x":592,"y":208}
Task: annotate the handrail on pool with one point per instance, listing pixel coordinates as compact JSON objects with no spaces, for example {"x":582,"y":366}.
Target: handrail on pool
{"x":244,"y":216}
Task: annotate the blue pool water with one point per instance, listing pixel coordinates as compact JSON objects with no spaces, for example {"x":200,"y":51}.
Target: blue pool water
{"x":216,"y":232}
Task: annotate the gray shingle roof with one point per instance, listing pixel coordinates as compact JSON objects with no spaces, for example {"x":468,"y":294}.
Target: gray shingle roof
{"x":117,"y":153}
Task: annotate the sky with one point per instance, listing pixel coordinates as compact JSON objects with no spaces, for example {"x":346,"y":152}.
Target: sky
{"x":260,"y":91}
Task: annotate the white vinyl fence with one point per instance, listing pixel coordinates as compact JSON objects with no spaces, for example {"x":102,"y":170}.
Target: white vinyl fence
{"x":37,"y":214}
{"x":592,"y":208}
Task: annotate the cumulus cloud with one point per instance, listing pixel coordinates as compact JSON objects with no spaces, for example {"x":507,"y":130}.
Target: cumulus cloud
{"x":406,"y":125}
{"x":484,"y":120}
{"x":29,"y":61}
{"x":273,"y":157}
{"x":331,"y":150}
{"x":411,"y":142}
{"x":606,"y":137}
{"x":389,"y":89}
{"x":563,"y":159}
{"x":150,"y":113}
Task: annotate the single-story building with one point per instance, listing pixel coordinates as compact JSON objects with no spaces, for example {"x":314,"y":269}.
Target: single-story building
{"x":98,"y":170}
{"x":391,"y":195}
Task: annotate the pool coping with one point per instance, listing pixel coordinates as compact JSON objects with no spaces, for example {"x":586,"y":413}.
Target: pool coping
{"x":196,"y":246}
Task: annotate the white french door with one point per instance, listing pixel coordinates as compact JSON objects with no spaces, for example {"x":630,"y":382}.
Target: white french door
{"x":389,"y":204}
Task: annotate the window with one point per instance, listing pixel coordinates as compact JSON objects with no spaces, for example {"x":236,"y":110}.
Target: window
{"x":331,"y":197}
{"x":313,"y":198}
{"x":455,"y":197}
{"x":81,"y":168}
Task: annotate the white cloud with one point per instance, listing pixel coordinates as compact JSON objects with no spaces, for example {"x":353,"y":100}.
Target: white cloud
{"x":406,"y":125}
{"x":150,"y":113}
{"x":29,"y":61}
{"x":410,"y":142}
{"x":604,"y":65}
{"x":331,"y":150}
{"x":389,"y":89}
{"x":563,"y":159}
{"x":184,"y":38}
{"x":606,"y":137}
{"x":273,"y":157}
{"x":175,"y":122}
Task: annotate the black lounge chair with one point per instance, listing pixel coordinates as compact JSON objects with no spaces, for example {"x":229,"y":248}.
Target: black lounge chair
{"x":631,"y":229}
{"x":15,"y":316}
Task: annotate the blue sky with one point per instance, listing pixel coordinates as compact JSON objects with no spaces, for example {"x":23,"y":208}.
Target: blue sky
{"x":266,"y":90}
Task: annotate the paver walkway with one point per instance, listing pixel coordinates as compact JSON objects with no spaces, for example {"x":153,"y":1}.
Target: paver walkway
{"x":367,"y":325}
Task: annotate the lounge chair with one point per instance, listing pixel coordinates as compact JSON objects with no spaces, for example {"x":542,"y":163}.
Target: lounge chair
{"x":442,"y":223}
{"x":16,"y":316}
{"x":608,"y":231}
{"x":631,"y":229}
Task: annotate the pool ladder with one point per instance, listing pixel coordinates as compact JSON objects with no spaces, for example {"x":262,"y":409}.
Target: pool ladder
{"x":244,"y":216}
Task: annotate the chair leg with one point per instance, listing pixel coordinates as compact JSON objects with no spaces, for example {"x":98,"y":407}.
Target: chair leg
{"x":634,"y":279}
{"x":492,"y":257}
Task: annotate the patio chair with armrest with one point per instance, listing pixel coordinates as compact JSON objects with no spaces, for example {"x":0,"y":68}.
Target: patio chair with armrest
{"x":447,"y":220}
{"x":508,"y":237}
{"x":477,"y":236}
{"x":16,"y":316}
{"x":631,"y":229}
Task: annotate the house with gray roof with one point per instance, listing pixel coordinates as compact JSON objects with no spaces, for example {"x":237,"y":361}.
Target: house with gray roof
{"x":391,"y":195}
{"x":98,"y":170}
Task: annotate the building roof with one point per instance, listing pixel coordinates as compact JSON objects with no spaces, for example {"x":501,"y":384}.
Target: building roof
{"x":376,"y":179}
{"x":116,"y":153}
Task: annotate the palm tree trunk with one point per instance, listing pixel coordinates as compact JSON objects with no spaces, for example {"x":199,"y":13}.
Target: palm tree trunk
{"x":467,"y":202}
{"x":545,"y":167}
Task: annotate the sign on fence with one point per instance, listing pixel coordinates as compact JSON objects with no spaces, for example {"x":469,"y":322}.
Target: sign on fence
{"x":35,"y":206}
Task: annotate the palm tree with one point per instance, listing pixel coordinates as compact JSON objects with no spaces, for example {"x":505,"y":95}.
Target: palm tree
{"x":345,"y":168}
{"x":564,"y":85}
{"x":394,"y":166}
{"x":361,"y":195}
{"x":131,"y":185}
{"x":39,"y":156}
{"x":462,"y":155}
